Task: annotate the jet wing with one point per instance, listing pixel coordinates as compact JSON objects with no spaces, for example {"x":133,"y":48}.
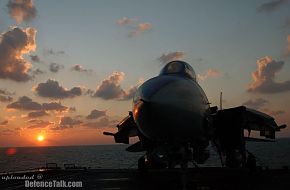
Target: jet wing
{"x":258,"y":121}
{"x":126,"y":129}
{"x":258,"y":139}
{"x":137,"y":147}
{"x":249,"y":119}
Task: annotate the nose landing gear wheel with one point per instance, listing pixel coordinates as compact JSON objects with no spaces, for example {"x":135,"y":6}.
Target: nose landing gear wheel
{"x":142,"y":167}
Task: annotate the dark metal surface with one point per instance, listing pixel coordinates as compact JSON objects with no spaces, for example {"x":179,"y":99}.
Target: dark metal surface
{"x":203,"y":178}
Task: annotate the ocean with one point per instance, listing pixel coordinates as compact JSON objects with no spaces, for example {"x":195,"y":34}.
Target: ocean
{"x":273,"y":155}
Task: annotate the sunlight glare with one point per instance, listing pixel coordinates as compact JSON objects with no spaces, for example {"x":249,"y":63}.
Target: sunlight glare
{"x":40,"y":138}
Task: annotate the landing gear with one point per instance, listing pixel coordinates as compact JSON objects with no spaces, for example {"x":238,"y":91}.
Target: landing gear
{"x":149,"y":161}
{"x":142,"y":166}
{"x":251,"y":161}
{"x":235,"y":158}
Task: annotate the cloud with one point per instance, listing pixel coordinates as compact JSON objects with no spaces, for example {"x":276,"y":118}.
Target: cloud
{"x":54,"y":106}
{"x":80,"y":68}
{"x":139,"y":29}
{"x":255,"y":104}
{"x":36,"y":123}
{"x":90,"y":92}
{"x":166,"y":58}
{"x":72,"y":109}
{"x":37,"y":114}
{"x":5,"y":96}
{"x":52,"y":89}
{"x":95,"y":114}
{"x":101,"y":123}
{"x":8,"y":132}
{"x":264,"y":77}
{"x":272,"y":6}
{"x":68,"y":122}
{"x":5,"y":92}
{"x":209,"y":74}
{"x":134,"y":28}
{"x":278,"y":112}
{"x":259,"y":103}
{"x":21,"y":10}
{"x":5,"y":122}
{"x":13,"y":45}
{"x":110,"y":88}
{"x":131,"y":92}
{"x":24,"y":103}
{"x":126,"y":21}
{"x":274,"y":113}
{"x":54,"y":67}
{"x":53,"y":52}
{"x":37,"y":72}
{"x":35,"y":58}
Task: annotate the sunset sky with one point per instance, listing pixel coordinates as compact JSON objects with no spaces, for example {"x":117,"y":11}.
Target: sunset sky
{"x":69,"y":68}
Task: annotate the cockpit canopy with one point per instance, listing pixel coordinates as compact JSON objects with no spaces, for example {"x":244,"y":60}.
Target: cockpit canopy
{"x":179,"y":68}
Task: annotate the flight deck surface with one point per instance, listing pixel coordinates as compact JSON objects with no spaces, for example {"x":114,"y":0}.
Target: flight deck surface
{"x":194,"y":178}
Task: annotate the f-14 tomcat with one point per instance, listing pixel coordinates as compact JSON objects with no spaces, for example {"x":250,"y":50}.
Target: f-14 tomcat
{"x":173,"y":119}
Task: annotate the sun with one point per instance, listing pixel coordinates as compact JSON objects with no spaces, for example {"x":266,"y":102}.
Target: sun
{"x":40,"y":138}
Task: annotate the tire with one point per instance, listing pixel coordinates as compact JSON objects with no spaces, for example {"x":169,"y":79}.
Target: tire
{"x":142,"y":167}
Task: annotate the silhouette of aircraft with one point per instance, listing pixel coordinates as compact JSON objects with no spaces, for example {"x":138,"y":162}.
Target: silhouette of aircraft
{"x":175,"y":123}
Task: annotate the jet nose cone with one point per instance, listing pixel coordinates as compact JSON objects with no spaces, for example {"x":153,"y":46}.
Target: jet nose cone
{"x":151,"y":87}
{"x":168,"y":107}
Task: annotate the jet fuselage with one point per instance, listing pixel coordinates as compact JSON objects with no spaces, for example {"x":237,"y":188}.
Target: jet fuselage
{"x":172,"y":107}
{"x":174,"y":123}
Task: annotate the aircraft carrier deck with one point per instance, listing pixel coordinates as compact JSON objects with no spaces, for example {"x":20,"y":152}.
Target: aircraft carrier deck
{"x":194,"y":178}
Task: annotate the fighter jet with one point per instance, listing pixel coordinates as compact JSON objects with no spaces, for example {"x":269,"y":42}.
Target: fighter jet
{"x":175,"y":123}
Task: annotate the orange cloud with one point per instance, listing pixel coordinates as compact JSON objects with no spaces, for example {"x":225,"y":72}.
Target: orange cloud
{"x":209,"y":74}
{"x":5,"y":122}
{"x":13,"y":45}
{"x":21,"y":10}
{"x":264,"y":77}
{"x":135,"y":29}
{"x":36,"y":123}
{"x":141,"y":27}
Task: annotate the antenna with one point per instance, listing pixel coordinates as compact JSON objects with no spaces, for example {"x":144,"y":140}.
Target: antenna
{"x":221,"y":100}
